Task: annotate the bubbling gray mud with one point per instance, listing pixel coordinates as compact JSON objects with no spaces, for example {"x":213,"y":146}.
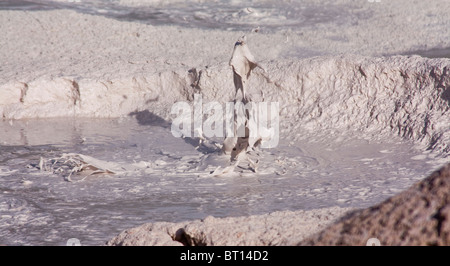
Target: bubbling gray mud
{"x":41,"y":208}
{"x":354,"y":129}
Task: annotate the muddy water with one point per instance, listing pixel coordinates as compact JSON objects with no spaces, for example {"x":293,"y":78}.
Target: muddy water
{"x":42,"y":208}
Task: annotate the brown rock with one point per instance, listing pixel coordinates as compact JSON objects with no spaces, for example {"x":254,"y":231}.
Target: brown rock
{"x":417,"y":216}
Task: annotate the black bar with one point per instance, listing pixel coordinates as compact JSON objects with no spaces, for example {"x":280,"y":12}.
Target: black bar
{"x":228,"y":255}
